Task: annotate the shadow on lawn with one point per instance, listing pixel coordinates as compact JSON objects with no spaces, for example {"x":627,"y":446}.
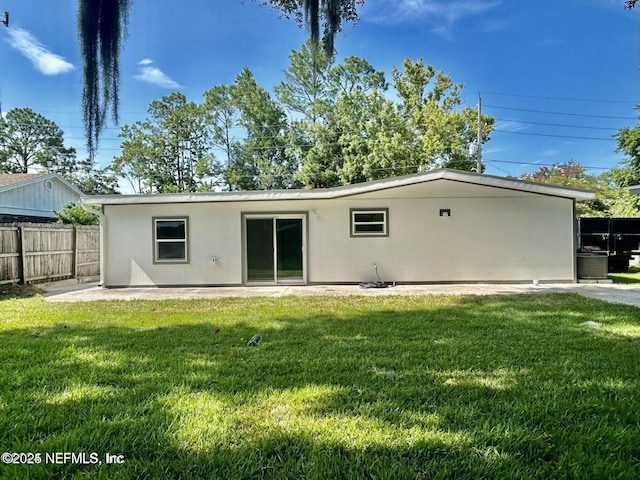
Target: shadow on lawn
{"x":468,"y":389}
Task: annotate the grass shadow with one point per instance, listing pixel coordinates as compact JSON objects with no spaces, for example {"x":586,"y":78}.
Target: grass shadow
{"x":397,"y":387}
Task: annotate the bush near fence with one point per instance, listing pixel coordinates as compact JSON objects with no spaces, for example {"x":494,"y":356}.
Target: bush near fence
{"x":36,"y":252}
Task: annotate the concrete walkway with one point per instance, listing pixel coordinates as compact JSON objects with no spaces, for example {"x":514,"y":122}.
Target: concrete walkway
{"x":71,"y":291}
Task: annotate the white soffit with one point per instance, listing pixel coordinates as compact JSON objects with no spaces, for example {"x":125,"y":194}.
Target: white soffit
{"x":344,"y":191}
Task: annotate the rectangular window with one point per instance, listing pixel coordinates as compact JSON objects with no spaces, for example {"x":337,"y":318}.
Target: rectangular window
{"x":370,"y":222}
{"x":170,"y":240}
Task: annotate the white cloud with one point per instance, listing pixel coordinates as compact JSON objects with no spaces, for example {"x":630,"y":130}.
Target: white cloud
{"x":154,"y":75}
{"x":46,"y":62}
{"x":509,"y":126}
{"x":411,"y":11}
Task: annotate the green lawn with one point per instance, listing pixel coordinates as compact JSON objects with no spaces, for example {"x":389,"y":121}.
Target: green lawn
{"x":630,"y":276}
{"x":353,"y":388}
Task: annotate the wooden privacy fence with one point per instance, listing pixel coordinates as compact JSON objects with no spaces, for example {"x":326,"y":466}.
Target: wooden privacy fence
{"x":31,"y":252}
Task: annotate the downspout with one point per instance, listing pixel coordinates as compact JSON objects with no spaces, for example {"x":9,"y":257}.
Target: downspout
{"x":100,"y":215}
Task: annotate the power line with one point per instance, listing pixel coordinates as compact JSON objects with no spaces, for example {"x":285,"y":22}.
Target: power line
{"x":522,"y":164}
{"x":556,"y":136}
{"x":561,"y":113}
{"x":591,"y":100}
{"x":564,"y":125}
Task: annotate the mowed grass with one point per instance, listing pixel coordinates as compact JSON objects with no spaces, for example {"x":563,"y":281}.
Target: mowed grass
{"x":630,"y":276}
{"x":341,"y":388}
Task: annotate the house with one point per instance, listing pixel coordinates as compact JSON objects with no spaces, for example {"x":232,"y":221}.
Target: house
{"x":438,"y":226}
{"x":33,"y":197}
{"x":634,"y":190}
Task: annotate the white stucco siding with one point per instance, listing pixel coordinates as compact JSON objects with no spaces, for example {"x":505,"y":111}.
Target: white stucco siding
{"x":213,"y":232}
{"x":485,"y":239}
{"x":492,"y":235}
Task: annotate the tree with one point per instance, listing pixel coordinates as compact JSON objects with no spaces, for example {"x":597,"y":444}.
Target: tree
{"x":373,"y":139}
{"x":572,"y":174}
{"x":171,"y":151}
{"x":75,"y":215}
{"x":442,"y":134}
{"x":263,"y":160}
{"x":305,"y":88}
{"x":222,"y":118}
{"x":628,"y":139}
{"x":28,"y":140}
{"x":356,"y":74}
{"x":95,"y":181}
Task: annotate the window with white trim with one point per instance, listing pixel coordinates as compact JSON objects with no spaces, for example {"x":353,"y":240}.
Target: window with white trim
{"x":170,"y":240}
{"x":369,"y":222}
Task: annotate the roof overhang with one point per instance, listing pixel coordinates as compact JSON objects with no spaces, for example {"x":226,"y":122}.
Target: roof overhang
{"x":345,"y":191}
{"x":634,"y":190}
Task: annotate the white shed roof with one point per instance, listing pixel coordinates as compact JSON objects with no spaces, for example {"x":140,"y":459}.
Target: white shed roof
{"x":635,"y":190}
{"x":345,"y":191}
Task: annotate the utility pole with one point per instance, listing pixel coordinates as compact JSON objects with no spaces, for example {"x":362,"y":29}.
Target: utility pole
{"x":479,"y":140}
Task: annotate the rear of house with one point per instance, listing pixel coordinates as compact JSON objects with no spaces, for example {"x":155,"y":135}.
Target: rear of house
{"x":439,"y":226}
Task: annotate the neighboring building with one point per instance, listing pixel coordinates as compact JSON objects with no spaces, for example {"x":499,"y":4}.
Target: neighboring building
{"x":439,"y":226}
{"x":635,"y":190}
{"x":32,"y":197}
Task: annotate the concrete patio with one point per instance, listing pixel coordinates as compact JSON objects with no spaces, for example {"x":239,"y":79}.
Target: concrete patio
{"x":71,"y":291}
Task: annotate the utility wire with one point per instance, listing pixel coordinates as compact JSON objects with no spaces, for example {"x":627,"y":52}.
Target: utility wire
{"x":590,"y":100}
{"x":561,"y":113}
{"x":555,"y":136}
{"x":564,"y":125}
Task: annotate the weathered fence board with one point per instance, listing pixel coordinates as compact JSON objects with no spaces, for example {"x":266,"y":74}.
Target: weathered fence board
{"x":33,"y":252}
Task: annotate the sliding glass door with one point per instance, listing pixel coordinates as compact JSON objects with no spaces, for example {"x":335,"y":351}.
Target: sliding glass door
{"x":275,"y":249}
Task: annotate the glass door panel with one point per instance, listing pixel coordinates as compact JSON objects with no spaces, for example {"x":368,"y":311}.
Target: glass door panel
{"x":289,"y":250}
{"x":260,"y":250}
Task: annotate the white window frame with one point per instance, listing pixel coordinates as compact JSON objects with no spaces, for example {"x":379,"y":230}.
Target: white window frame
{"x":157,"y":241}
{"x":353,"y":223}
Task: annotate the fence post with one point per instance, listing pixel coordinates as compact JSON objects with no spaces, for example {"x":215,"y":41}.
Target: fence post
{"x":75,"y":251}
{"x":21,"y":262}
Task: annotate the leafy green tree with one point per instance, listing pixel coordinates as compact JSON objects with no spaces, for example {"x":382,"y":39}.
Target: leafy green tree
{"x":94,"y":181}
{"x":373,"y":139}
{"x":609,"y":201}
{"x":75,"y":215}
{"x":356,"y":74}
{"x":429,"y":102}
{"x":29,"y":140}
{"x":263,"y":160}
{"x":171,"y":151}
{"x":628,"y":139}
{"x":305,"y":88}
{"x":222,"y":118}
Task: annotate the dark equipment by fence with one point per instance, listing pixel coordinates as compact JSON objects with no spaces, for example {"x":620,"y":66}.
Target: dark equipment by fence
{"x":618,"y":238}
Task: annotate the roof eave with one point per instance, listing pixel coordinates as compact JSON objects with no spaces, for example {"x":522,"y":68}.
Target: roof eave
{"x":345,"y":191}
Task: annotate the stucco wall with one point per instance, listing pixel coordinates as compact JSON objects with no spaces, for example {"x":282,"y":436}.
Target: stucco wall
{"x":492,"y":235}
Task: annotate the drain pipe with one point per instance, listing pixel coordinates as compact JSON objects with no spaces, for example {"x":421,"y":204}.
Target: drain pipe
{"x":100,"y":215}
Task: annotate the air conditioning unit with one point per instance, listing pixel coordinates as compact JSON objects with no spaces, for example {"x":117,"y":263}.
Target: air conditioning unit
{"x":593,"y":266}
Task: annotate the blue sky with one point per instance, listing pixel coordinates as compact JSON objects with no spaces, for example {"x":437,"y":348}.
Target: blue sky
{"x":560,"y":76}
